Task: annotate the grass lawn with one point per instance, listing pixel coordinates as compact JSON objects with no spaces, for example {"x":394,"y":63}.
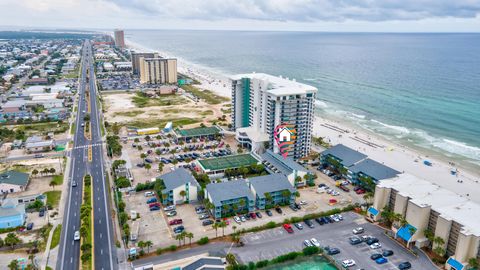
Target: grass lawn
{"x":56,"y":236}
{"x":160,"y":123}
{"x":53,"y":197}
{"x":72,"y":130}
{"x":165,"y":100}
{"x":58,"y":179}
{"x":207,"y":95}
{"x":44,"y":128}
{"x":129,"y":114}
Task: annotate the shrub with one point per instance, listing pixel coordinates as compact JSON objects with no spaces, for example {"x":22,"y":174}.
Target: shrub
{"x":159,"y":251}
{"x":261,"y":264}
{"x":203,"y":241}
{"x":251,"y":266}
{"x":172,"y":248}
{"x":310,"y":250}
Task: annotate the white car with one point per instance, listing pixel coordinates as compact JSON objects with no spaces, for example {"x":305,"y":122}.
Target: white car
{"x":76,"y":236}
{"x":315,"y":242}
{"x":237,"y":219}
{"x":358,"y":230}
{"x":375,"y":246}
{"x":307,"y":243}
{"x":348,"y":263}
{"x":303,"y":202}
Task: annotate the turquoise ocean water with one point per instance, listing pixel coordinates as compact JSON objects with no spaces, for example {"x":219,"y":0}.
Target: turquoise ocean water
{"x":421,"y":90}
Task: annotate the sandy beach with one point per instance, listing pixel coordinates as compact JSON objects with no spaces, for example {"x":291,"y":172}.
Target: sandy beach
{"x":403,"y":159}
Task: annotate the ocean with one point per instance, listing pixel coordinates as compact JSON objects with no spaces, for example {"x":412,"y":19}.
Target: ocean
{"x":420,"y":90}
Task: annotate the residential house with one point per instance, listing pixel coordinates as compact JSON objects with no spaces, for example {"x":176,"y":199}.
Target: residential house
{"x":230,"y":198}
{"x":270,"y":190}
{"x":180,"y":187}
{"x":13,"y":181}
{"x":12,"y":214}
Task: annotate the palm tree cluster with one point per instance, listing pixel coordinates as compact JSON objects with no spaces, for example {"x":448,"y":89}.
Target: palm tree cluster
{"x":44,"y":172}
{"x":182,"y":236}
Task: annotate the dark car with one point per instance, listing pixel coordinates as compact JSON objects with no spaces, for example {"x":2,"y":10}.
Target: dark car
{"x":309,"y":223}
{"x":41,"y":213}
{"x":154,"y":208}
{"x":387,"y":253}
{"x":405,"y":265}
{"x":178,"y":229}
{"x":333,"y":251}
{"x":376,"y":256}
{"x":140,"y":165}
{"x":269,"y":213}
{"x":320,"y":221}
{"x":328,"y":220}
{"x":259,"y":215}
{"x":293,"y":207}
{"x":297,"y":206}
{"x":279,"y":210}
{"x":344,"y":188}
{"x":372,"y":240}
{"x":207,"y":222}
{"x":29,"y":226}
{"x":354,"y":240}
{"x":148,"y":160}
{"x":252,"y":215}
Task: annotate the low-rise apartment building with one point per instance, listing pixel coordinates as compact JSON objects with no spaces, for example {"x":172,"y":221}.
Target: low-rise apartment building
{"x":180,"y":187}
{"x":230,"y":198}
{"x":429,"y":207}
{"x":271,"y":190}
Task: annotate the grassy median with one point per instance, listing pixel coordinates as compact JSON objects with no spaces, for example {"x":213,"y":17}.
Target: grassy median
{"x":56,"y":236}
{"x":86,"y":227}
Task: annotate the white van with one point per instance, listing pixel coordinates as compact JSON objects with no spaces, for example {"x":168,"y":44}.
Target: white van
{"x":149,"y":193}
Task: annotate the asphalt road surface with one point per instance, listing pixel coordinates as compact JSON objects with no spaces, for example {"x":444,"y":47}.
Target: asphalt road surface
{"x":69,"y":253}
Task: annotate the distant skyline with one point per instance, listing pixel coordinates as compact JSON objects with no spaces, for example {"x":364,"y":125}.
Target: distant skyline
{"x":291,"y":15}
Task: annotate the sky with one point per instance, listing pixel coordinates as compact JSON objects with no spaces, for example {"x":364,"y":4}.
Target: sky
{"x":278,"y":15}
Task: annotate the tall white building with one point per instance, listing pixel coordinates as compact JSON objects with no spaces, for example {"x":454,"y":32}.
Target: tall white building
{"x":260,"y":102}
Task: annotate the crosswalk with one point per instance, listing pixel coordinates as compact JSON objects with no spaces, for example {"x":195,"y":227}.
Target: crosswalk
{"x":87,"y":145}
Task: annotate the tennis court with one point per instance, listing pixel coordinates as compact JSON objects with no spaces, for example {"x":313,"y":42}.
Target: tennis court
{"x":197,"y":132}
{"x":228,"y":162}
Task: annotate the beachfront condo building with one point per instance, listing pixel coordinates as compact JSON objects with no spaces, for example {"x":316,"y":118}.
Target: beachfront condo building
{"x":119,"y":38}
{"x":158,"y":70}
{"x":431,"y":213}
{"x":135,"y":56}
{"x":260,"y":102}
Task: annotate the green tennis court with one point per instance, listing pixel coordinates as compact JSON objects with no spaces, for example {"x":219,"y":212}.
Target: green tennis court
{"x":228,"y":162}
{"x":196,"y":132}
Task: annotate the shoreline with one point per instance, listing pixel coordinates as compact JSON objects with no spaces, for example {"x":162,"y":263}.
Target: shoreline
{"x":401,"y":157}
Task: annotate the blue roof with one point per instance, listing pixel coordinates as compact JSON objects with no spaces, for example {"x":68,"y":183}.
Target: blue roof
{"x":374,"y":169}
{"x":455,"y":264}
{"x":405,"y":233}
{"x":284,"y":165}
{"x":347,"y":155}
{"x":176,"y":178}
{"x":270,"y":183}
{"x":373,"y":211}
{"x":230,"y":190}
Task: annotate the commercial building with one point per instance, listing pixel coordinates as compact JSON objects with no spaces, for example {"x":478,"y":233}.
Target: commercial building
{"x":12,"y":214}
{"x":158,"y":70}
{"x":261,"y":102}
{"x":119,"y":38}
{"x":271,"y":190}
{"x":426,"y":206}
{"x":180,"y":187}
{"x":135,"y":57}
{"x":230,"y":198}
{"x":13,"y":181}
{"x":295,"y":173}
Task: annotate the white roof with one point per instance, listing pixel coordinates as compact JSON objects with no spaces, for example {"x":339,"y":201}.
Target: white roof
{"x":448,"y":204}
{"x":254,"y":134}
{"x":279,"y":86}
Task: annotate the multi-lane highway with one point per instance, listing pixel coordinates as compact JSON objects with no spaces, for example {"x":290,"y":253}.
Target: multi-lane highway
{"x":103,"y":253}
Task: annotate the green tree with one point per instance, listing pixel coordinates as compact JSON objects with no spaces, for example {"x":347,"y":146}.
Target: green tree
{"x":141,"y":245}
{"x":189,"y":235}
{"x":222,"y":225}
{"x":215,"y":226}
{"x":387,"y":215}
{"x":429,"y":235}
{"x":53,"y":183}
{"x":439,"y":242}
{"x":148,"y":245}
{"x":473,"y":262}
{"x":13,"y":265}
{"x":12,"y":240}
{"x":183,"y":193}
{"x":148,"y":167}
{"x":143,"y":155}
{"x":179,"y":237}
{"x":34,"y":172}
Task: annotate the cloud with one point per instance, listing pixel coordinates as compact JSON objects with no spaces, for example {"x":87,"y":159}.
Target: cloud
{"x":303,"y":10}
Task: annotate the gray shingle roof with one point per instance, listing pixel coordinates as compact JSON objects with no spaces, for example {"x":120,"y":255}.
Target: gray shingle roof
{"x":14,"y":178}
{"x":228,"y":190}
{"x":374,"y":169}
{"x":176,"y":178}
{"x":284,"y":165}
{"x":346,"y":154}
{"x":270,"y":183}
{"x":203,"y":261}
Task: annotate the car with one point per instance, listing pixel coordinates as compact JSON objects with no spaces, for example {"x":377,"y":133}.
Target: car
{"x":155,"y":208}
{"x":171,"y":213}
{"x":355,"y":240}
{"x":76,"y":236}
{"x":243,"y":219}
{"x":348,"y":263}
{"x":41,"y":213}
{"x":207,"y":222}
{"x":169,"y":208}
{"x":344,"y":188}
{"x":315,"y":242}
{"x":83,"y":124}
{"x":376,"y":256}
{"x":203,"y":216}
{"x":226,"y":220}
{"x":303,"y":202}
{"x":149,"y":194}
{"x":365,"y":238}
{"x":247,"y":216}
{"x":269,"y":213}
{"x":320,"y":221}
{"x":140,"y":165}
{"x":199,"y":208}
{"x":375,"y":246}
{"x":154,"y":204}
{"x":252,"y":215}
{"x":381,"y":260}
{"x":293,"y":207}
{"x":332,"y":251}
{"x":29,"y":226}
{"x":178,"y":229}
{"x":148,"y":160}
{"x":307,"y":243}
{"x":371,"y":241}
{"x":358,"y":230}
{"x":387,"y":253}
{"x":279,"y":210}
{"x":258,"y":214}
{"x":152,"y":200}
{"x":404,"y":265}
{"x":288,"y":228}
{"x":360,"y":191}
{"x":297,"y":206}
{"x":175,"y":221}
{"x":38,"y":155}
{"x":74,"y":184}
{"x":299,"y":226}
{"x":309,"y":223}
{"x":237,"y":219}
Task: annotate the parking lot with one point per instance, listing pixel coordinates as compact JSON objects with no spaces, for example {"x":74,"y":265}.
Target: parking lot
{"x":275,"y":242}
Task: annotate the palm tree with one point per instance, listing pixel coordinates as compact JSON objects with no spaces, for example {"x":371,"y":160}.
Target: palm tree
{"x":179,"y":237}
{"x":141,"y":244}
{"x":52,"y":171}
{"x":143,"y":155}
{"x":234,"y":228}
{"x":183,"y":235}
{"x":242,"y":203}
{"x":183,"y":193}
{"x":189,"y":235}
{"x":286,"y":195}
{"x":215,"y":226}
{"x":368,"y":196}
{"x":268,"y":198}
{"x":148,"y":167}
{"x":388,"y":216}
{"x":222,"y":225}
{"x":34,"y":172}
{"x":160,"y":167}
{"x":429,"y":235}
{"x":148,"y":245}
{"x":53,"y":184}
